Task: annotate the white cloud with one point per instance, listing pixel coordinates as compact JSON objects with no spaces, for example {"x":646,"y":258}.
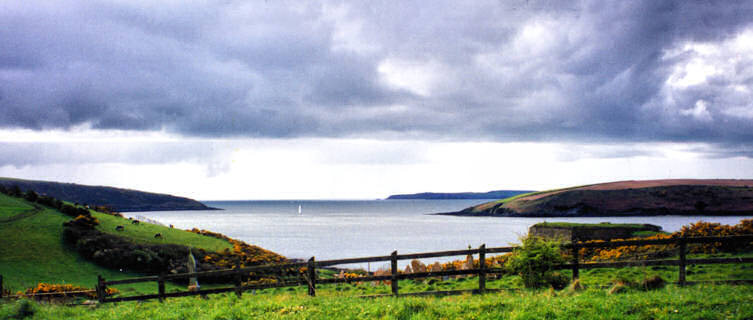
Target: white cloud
{"x":698,"y":112}
{"x":418,"y":77}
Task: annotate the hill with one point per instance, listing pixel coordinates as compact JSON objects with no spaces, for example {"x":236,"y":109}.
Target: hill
{"x":42,"y":244}
{"x":122,"y":200}
{"x":497,"y":194}
{"x":628,"y":198}
{"x":33,"y":250}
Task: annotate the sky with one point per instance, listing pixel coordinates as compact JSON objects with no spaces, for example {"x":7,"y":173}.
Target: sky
{"x":219,"y":100}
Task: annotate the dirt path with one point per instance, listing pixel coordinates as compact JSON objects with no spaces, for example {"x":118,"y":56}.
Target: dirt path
{"x":23,"y":215}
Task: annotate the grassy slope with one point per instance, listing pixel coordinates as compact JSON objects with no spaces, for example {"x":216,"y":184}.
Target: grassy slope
{"x":487,"y":205}
{"x":32,"y":249}
{"x":12,"y":206}
{"x":144,"y":233}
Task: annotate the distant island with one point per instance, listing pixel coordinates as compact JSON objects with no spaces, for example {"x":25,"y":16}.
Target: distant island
{"x":627,"y":198}
{"x":498,"y":194}
{"x":121,"y":200}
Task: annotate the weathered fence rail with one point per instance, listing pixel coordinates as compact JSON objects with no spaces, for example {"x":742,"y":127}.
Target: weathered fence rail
{"x":309,"y":277}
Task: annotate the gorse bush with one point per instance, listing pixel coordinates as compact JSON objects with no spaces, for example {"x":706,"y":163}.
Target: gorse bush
{"x":534,"y":261}
{"x":697,"y":229}
{"x":63,"y":290}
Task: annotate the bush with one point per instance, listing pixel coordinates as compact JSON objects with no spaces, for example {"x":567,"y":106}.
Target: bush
{"x":82,"y":221}
{"x":653,"y":283}
{"x":64,"y":291}
{"x":534,"y":261}
{"x":25,"y":309}
{"x":558,"y":280}
{"x":31,"y":196}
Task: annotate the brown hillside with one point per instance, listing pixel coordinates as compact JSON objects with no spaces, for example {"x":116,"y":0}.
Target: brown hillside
{"x":651,"y":197}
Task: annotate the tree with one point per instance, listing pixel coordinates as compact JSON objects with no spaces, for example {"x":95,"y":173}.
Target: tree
{"x":31,"y":196}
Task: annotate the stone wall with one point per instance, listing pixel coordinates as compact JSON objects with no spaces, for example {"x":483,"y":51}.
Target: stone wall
{"x":584,"y":233}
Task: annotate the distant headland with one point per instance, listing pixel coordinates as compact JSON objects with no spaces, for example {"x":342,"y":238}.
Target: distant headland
{"x":627,"y":198}
{"x":121,"y":200}
{"x":497,"y":194}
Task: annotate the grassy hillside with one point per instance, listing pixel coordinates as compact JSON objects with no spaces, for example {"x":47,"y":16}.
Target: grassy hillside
{"x":628,"y":198}
{"x":119,"y":199}
{"x":144,"y":233}
{"x":12,"y":206}
{"x":32,"y":249}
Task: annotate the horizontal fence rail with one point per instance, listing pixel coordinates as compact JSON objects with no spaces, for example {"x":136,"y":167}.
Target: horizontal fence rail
{"x":305,"y":272}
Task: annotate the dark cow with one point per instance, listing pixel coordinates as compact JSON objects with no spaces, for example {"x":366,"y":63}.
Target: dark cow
{"x":135,"y":222}
{"x":119,"y":228}
{"x":158,"y":236}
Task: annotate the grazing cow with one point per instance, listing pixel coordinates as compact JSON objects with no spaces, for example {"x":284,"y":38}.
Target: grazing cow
{"x":119,"y":228}
{"x":135,"y":222}
{"x":158,"y":236}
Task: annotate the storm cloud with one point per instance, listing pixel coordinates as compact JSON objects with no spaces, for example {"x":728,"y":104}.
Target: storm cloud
{"x":595,"y":71}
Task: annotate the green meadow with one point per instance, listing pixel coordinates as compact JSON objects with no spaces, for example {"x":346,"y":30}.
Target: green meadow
{"x":697,"y":302}
{"x":33,"y":251}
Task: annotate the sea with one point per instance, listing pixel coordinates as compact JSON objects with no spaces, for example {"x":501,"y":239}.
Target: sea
{"x":334,"y":229}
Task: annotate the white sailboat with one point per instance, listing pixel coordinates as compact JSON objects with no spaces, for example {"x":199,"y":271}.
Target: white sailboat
{"x":299,"y":210}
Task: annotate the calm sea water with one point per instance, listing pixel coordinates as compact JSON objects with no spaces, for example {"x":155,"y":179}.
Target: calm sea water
{"x":345,"y":229}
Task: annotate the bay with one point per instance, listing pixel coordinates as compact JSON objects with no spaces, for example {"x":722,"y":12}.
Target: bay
{"x":334,"y":229}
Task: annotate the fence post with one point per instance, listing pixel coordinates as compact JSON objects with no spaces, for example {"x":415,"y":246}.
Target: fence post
{"x":683,"y":247}
{"x":393,"y":267}
{"x":576,"y":273}
{"x":161,"y":287}
{"x":238,"y":282}
{"x":312,"y":277}
{"x":100,"y":289}
{"x":482,"y":268}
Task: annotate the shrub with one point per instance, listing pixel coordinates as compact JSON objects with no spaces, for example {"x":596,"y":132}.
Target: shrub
{"x":534,"y":261}
{"x":82,"y":221}
{"x":652,"y":283}
{"x":25,"y":309}
{"x":558,"y":280}
{"x":31,"y":196}
{"x":64,"y":291}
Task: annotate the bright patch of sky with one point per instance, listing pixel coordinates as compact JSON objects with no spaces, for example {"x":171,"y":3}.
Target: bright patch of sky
{"x":321,"y":168}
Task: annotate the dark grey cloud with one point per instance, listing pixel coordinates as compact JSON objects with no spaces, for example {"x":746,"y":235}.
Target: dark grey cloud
{"x":490,"y":70}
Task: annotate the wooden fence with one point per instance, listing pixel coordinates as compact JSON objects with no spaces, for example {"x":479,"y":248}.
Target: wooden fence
{"x":310,"y":279}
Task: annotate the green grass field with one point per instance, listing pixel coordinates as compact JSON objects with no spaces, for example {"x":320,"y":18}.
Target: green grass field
{"x":696,"y":302}
{"x":33,"y":251}
{"x":144,"y":233}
